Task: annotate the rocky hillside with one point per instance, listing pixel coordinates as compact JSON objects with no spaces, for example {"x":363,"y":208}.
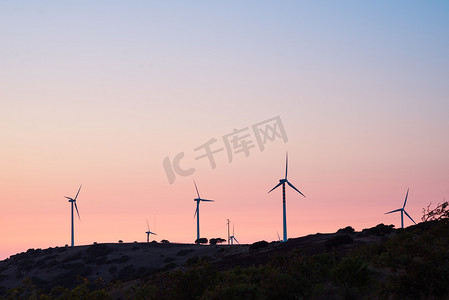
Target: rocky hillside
{"x":377,"y":262}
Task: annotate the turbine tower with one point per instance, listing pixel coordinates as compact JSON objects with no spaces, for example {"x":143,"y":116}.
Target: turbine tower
{"x":283,"y":182}
{"x":73,"y":201}
{"x":232,"y":237}
{"x":149,"y":232}
{"x":227,"y":223}
{"x":197,"y":211}
{"x":402,"y":210}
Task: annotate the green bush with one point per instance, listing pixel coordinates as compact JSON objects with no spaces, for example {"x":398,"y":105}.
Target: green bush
{"x":351,"y":272}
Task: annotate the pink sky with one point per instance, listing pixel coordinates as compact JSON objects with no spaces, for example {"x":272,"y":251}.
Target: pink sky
{"x":100,"y":95}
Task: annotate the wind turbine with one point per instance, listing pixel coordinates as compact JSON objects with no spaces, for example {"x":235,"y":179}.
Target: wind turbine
{"x":197,"y":211}
{"x":402,"y":210}
{"x":279,"y":238}
{"x":283,"y":182}
{"x":73,"y":201}
{"x":232,"y":237}
{"x":149,"y":232}
{"x":227,"y":223}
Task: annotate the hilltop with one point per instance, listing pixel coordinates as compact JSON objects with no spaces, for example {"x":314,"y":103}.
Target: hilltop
{"x":375,"y":261}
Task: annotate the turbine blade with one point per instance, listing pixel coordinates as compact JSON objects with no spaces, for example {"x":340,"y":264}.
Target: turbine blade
{"x":207,"y":200}
{"x":291,"y":185}
{"x":405,"y":198}
{"x":286,"y":164}
{"x":232,"y":229}
{"x":196,"y":210}
{"x":396,"y":210}
{"x":196,"y":189}
{"x":409,"y":216}
{"x":78,"y":192}
{"x":68,"y":198}
{"x":76,"y":207}
{"x":279,"y":238}
{"x":236,"y":240}
{"x":148,"y":225}
{"x":275,"y":187}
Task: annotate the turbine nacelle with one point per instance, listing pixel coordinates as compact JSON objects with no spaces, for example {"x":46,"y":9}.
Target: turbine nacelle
{"x":149,"y":232}
{"x":284,"y":181}
{"x":71,"y":200}
{"x":199,"y":199}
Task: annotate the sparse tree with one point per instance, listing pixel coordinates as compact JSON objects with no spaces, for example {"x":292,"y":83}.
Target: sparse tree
{"x":216,"y":241}
{"x":438,"y":213}
{"x":220,"y":240}
{"x":201,"y":241}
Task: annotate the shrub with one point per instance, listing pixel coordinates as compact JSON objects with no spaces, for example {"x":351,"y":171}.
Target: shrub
{"x":338,"y":241}
{"x":346,"y":230}
{"x":216,"y":241}
{"x":258,"y":245}
{"x":98,"y":250}
{"x":379,"y":230}
{"x":438,"y":213}
{"x":352,"y":272}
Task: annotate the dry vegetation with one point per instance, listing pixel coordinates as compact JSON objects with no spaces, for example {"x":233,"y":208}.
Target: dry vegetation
{"x":379,"y":262}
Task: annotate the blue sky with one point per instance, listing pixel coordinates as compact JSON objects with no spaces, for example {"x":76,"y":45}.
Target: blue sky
{"x":101,"y":93}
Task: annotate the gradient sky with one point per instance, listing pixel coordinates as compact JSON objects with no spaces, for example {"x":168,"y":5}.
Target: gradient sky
{"x":99,"y":94}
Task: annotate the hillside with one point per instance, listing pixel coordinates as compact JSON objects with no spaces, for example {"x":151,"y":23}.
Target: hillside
{"x":377,"y":262}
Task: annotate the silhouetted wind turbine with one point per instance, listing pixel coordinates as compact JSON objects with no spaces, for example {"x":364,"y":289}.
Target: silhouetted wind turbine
{"x":227,"y":223}
{"x":402,"y":210}
{"x":197,"y":211}
{"x":149,"y":232}
{"x":73,"y":201}
{"x":283,"y":182}
{"x":232,"y":237}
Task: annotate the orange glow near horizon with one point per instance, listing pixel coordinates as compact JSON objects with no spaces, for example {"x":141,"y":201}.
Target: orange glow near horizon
{"x":99,"y":95}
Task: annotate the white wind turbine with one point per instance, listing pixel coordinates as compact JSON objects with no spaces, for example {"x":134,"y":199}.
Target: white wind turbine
{"x":283,"y":182}
{"x":232,"y":237}
{"x":149,"y":232}
{"x":402,"y":210}
{"x":197,"y":211}
{"x":73,"y":202}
